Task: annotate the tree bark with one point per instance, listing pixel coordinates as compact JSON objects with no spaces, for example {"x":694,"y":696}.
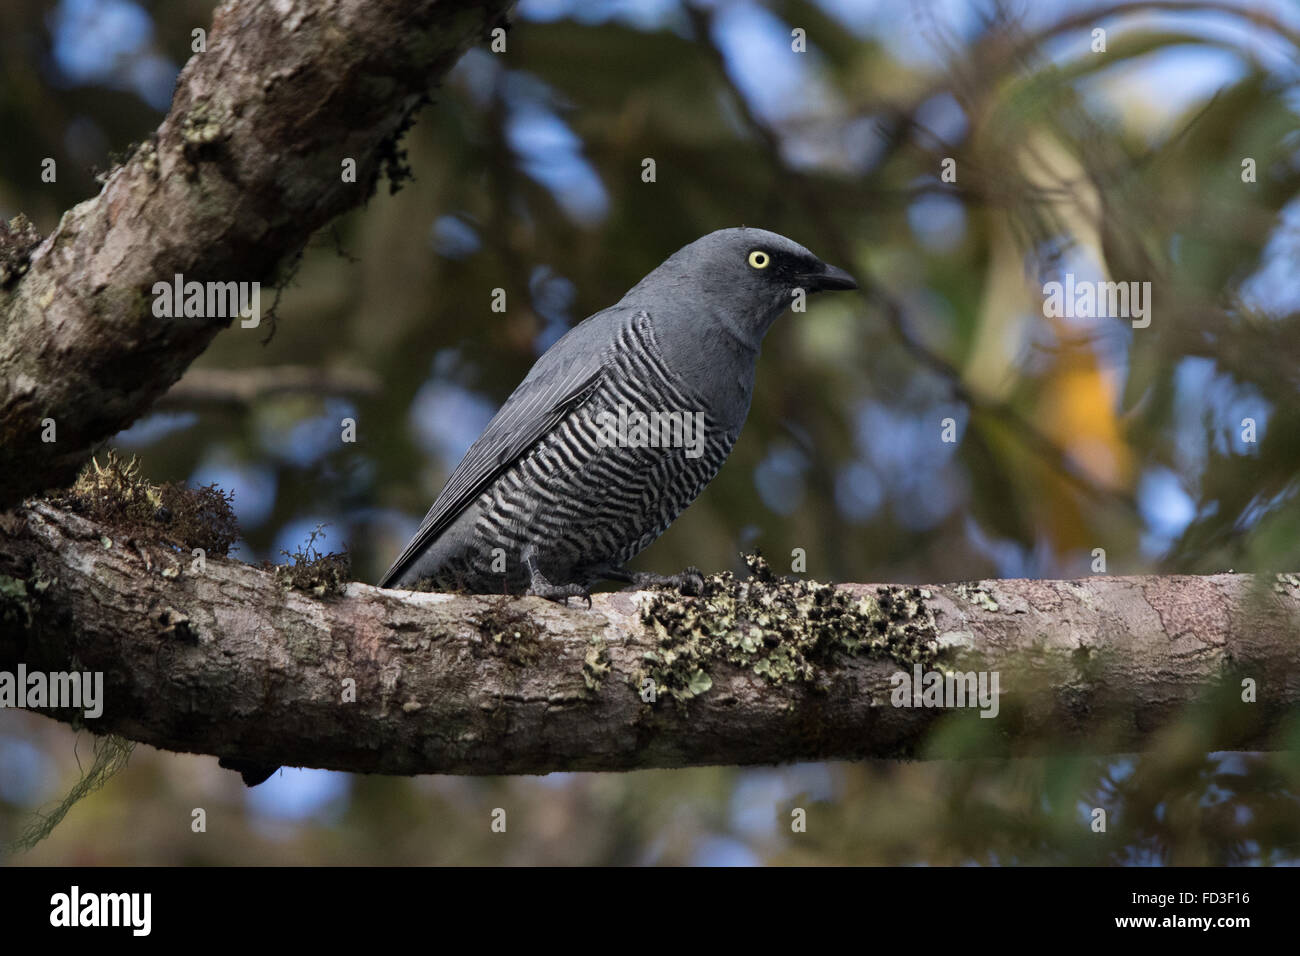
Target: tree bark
{"x":246,"y":166}
{"x":225,"y":661}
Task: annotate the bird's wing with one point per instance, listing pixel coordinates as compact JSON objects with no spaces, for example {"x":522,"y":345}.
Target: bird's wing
{"x":539,"y":404}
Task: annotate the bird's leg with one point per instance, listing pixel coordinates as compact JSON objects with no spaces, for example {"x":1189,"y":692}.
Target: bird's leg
{"x":689,"y":582}
{"x":540,"y":587}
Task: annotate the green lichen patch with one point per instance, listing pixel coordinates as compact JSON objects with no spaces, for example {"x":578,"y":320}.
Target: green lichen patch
{"x":595,"y":666}
{"x":17,"y":240}
{"x":785,"y":630}
{"x":318,"y":574}
{"x":978,"y":595}
{"x":1284,"y":583}
{"x":202,"y":128}
{"x":508,"y":631}
{"x":115,"y":494}
{"x":146,"y":153}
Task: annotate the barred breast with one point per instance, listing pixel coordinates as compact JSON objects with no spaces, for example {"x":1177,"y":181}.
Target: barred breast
{"x":589,"y":493}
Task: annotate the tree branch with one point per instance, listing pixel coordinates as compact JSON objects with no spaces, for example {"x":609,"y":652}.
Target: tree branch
{"x":246,"y":166}
{"x":243,"y":388}
{"x":225,"y":661}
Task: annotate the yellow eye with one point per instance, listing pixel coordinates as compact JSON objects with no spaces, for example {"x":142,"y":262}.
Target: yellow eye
{"x":759,"y":259}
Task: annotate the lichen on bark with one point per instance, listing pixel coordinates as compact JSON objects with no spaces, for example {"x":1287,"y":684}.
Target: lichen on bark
{"x":783,"y":630}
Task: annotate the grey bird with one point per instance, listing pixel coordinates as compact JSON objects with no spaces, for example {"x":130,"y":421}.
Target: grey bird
{"x":550,"y":499}
{"x":562,"y":488}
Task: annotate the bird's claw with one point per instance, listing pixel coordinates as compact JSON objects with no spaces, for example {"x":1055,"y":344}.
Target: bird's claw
{"x":689,"y":582}
{"x":538,"y":586}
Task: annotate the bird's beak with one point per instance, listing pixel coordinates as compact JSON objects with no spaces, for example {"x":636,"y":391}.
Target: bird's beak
{"x":831,"y":278}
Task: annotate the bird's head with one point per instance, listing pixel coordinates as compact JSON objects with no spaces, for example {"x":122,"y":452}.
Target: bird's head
{"x":744,"y":277}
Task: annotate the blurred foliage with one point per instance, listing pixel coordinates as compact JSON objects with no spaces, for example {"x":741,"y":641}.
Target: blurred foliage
{"x":1073,"y":433}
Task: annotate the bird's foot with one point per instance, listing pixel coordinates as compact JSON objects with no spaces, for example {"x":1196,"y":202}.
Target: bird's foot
{"x":689,"y":582}
{"x":542,"y":588}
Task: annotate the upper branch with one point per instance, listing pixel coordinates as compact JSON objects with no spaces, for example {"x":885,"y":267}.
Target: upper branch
{"x":245,"y":167}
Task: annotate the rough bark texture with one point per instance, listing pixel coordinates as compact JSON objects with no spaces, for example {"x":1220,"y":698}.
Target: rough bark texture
{"x":227,"y":662}
{"x":246,"y":166}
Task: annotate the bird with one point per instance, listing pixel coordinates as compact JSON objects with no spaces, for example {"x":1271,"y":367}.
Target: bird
{"x":554,"y":497}
{"x":562,"y":490}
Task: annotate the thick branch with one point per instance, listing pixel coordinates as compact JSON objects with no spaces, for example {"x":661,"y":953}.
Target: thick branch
{"x":224,"y":661}
{"x":246,"y":166}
